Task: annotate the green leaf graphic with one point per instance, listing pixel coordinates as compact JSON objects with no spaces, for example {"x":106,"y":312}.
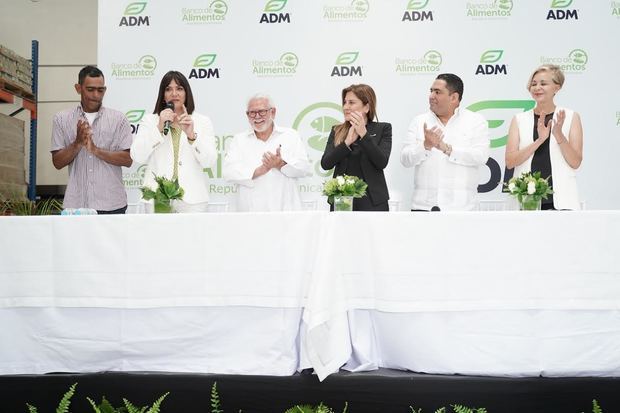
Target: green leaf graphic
{"x":560,"y":4}
{"x":275,"y":5}
{"x":219,"y":7}
{"x":134,"y":116}
{"x":347,"y":58}
{"x":416,"y":4}
{"x":324,"y":124}
{"x":134,"y":8}
{"x":523,"y":105}
{"x":148,"y":62}
{"x":204,"y":60}
{"x":505,"y":4}
{"x":433,"y":57}
{"x":579,"y":56}
{"x":289,"y":59}
{"x":491,"y":56}
{"x":360,"y":6}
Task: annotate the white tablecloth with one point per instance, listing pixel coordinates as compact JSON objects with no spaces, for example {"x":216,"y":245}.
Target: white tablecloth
{"x":501,"y":293}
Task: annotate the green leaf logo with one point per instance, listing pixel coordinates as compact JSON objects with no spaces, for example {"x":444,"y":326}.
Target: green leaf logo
{"x":433,"y":58}
{"x":204,"y":60}
{"x":523,"y":105}
{"x":560,"y":4}
{"x":416,"y":4}
{"x":578,"y":56}
{"x":347,"y":58}
{"x":148,"y":62}
{"x":219,"y":7}
{"x":289,"y":59}
{"x":275,"y":5}
{"x":491,"y":56}
{"x":134,"y":8}
{"x":134,"y":116}
{"x":361,"y":6}
{"x":505,"y":5}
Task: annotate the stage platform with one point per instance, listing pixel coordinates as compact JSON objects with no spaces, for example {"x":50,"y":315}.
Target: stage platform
{"x":384,"y":390}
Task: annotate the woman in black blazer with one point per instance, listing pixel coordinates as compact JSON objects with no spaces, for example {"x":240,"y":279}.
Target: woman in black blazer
{"x":361,"y":147}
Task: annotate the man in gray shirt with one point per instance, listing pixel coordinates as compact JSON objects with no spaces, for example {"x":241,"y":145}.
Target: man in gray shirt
{"x":94,"y":142}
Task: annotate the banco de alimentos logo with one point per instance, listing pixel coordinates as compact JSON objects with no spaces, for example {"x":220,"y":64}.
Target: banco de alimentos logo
{"x":215,"y":13}
{"x":134,"y":116}
{"x":415,"y":11}
{"x":429,"y":63}
{"x":498,"y":114}
{"x":132,"y":16}
{"x":204,"y":67}
{"x":286,"y":65}
{"x":575,"y":62}
{"x":316,"y":122}
{"x":134,"y":179}
{"x":344,"y":65}
{"x":273,"y":12}
{"x":618,"y":118}
{"x":489,"y":63}
{"x":560,"y":10}
{"x":489,"y":10}
{"x":346,"y":11}
{"x":144,"y":68}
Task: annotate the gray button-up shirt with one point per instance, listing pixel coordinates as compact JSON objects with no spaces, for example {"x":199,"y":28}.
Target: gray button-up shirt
{"x":93,"y":183}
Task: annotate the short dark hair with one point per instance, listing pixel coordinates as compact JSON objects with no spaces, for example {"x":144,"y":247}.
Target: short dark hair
{"x":181,"y":80}
{"x":90,"y":71}
{"x":453,"y":83}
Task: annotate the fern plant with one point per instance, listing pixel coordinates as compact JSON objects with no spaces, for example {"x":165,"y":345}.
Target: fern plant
{"x":63,"y":405}
{"x":216,"y":405}
{"x":321,"y":408}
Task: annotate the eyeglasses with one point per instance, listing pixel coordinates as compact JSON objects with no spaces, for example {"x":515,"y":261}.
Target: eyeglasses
{"x":261,"y":112}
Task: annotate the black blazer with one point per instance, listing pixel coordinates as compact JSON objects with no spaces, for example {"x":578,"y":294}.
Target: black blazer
{"x":375,"y":148}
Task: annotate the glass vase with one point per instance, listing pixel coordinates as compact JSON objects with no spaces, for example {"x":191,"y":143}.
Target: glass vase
{"x":163,"y":206}
{"x":343,"y":203}
{"x":530,"y":203}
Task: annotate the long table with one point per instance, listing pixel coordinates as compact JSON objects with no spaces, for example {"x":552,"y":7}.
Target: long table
{"x":491,"y":293}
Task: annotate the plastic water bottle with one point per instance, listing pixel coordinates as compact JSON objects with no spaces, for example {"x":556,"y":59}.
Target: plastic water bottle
{"x":68,"y":211}
{"x":86,"y":211}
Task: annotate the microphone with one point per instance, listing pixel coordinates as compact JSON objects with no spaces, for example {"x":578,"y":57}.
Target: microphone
{"x":435,"y":208}
{"x":169,"y":105}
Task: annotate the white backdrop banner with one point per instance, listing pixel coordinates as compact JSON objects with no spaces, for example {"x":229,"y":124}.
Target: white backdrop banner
{"x":303,"y":53}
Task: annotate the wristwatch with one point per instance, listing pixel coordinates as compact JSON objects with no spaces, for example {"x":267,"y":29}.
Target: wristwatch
{"x":195,"y":137}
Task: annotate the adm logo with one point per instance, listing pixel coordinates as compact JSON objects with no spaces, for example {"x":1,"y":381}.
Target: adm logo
{"x":131,"y":16}
{"x":415,"y":11}
{"x":134,"y":117}
{"x":487,"y":68}
{"x":344,"y":65}
{"x":202,"y":69}
{"x":559,"y":11}
{"x":270,"y":14}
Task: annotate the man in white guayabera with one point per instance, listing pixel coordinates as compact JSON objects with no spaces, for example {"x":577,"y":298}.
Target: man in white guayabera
{"x":446,"y":145}
{"x":265,"y":161}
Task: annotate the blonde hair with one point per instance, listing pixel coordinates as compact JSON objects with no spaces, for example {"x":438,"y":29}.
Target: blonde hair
{"x":557,"y":76}
{"x":368,"y":97}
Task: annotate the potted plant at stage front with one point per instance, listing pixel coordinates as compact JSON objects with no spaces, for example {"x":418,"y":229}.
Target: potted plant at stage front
{"x":342,"y":189}
{"x":529,"y":189}
{"x":166,"y":191}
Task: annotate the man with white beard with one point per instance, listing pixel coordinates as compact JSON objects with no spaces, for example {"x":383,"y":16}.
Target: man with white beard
{"x":265,"y":161}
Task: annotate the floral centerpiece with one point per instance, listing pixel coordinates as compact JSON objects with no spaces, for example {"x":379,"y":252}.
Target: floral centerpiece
{"x":342,"y":189}
{"x":529,"y":189}
{"x":166,"y":191}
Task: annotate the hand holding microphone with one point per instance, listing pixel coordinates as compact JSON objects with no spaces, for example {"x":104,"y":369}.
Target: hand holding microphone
{"x":168,"y":122}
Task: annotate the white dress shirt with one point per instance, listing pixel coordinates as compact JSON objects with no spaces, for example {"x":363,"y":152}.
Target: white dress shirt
{"x":449,"y":182}
{"x":277,"y":189}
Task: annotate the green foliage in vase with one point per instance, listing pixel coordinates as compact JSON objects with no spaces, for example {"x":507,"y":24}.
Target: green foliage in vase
{"x":321,"y":408}
{"x":166,"y":190}
{"x":344,"y":185}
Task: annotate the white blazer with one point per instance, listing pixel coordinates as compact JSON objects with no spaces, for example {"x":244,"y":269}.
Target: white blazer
{"x":565,"y":194}
{"x":154,"y":149}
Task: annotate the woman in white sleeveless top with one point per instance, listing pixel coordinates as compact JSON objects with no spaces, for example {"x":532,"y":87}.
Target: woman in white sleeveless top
{"x":548,"y":139}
